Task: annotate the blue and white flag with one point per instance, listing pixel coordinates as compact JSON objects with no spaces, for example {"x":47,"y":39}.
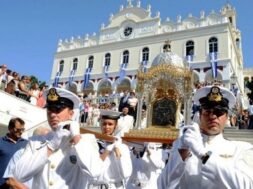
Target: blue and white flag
{"x":71,"y":76}
{"x":86,"y":78}
{"x":122,"y":72}
{"x":189,"y":58}
{"x":144,"y":66}
{"x":106,"y":68}
{"x":56,"y":79}
{"x":213,"y":59}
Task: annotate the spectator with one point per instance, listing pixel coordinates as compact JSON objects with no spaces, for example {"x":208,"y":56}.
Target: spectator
{"x":23,"y":90}
{"x":132,"y":102}
{"x":10,"y":88}
{"x":9,"y":75}
{"x":41,"y":102}
{"x":123,"y":101}
{"x":3,"y":76}
{"x":95,"y":115}
{"x":34,"y":92}
{"x":11,"y":143}
{"x":125,"y":123}
{"x":113,"y":106}
{"x":16,"y":78}
{"x":250,"y":110}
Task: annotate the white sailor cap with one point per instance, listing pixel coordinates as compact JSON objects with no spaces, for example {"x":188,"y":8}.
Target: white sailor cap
{"x":61,"y":97}
{"x":214,"y":96}
{"x":109,"y":114}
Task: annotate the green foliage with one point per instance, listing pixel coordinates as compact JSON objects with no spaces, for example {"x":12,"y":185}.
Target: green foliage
{"x":249,"y":85}
{"x":34,"y":79}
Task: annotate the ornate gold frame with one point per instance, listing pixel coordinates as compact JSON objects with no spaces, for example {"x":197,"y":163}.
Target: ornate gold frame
{"x":162,"y":81}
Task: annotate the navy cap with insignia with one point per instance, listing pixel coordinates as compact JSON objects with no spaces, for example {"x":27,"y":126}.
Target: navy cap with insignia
{"x":61,"y":97}
{"x":214,"y":96}
{"x":109,"y":114}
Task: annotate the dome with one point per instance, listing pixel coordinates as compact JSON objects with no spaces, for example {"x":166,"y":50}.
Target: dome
{"x":169,"y":58}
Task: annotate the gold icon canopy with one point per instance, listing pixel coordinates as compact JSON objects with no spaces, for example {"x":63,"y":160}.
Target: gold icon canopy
{"x":167,"y":88}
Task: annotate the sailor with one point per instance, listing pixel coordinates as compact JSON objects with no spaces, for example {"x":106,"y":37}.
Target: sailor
{"x":202,"y":158}
{"x":117,"y":165}
{"x":148,"y":163}
{"x":62,"y":159}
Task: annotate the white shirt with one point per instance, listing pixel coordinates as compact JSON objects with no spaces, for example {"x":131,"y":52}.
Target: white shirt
{"x":229,"y":167}
{"x":125,"y":123}
{"x":132,"y":101}
{"x":68,"y":168}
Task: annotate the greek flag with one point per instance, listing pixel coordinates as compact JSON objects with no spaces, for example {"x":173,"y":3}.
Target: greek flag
{"x":144,"y":66}
{"x":56,"y":79}
{"x":122,"y":72}
{"x":71,"y":76}
{"x":189,"y":58}
{"x":213,"y":59}
{"x":106,"y":68}
{"x":86,"y":78}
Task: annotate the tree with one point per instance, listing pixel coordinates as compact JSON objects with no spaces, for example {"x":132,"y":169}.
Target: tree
{"x":34,"y":79}
{"x":249,"y":85}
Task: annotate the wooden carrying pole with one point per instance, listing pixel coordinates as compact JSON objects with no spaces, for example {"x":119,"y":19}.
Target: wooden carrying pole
{"x":127,"y":138}
{"x":97,"y":135}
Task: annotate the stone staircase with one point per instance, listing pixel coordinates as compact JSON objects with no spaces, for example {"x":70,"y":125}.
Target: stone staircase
{"x":232,"y":133}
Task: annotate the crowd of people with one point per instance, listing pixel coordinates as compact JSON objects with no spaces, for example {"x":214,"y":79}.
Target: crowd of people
{"x":21,"y":86}
{"x":63,"y":158}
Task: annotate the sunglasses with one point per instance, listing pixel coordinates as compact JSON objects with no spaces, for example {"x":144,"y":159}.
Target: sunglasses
{"x":19,"y":130}
{"x":214,"y":111}
{"x":56,"y":109}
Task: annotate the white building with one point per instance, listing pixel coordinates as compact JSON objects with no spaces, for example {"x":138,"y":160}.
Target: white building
{"x":133,"y":37}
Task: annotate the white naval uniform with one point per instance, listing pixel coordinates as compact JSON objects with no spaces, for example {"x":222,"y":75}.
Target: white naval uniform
{"x":230,"y":166}
{"x":115,"y":171}
{"x":146,"y":170}
{"x":68,"y":168}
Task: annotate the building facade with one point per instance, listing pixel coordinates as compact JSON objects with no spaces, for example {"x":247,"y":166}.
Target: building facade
{"x":108,"y":63}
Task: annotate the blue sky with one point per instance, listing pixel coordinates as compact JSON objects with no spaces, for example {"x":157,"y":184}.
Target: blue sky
{"x":30,"y":29}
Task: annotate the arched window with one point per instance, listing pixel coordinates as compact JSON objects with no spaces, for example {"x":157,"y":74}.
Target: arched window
{"x":238,"y":45}
{"x":90,"y":61}
{"x":189,"y":48}
{"x":213,"y":45}
{"x":61,"y":66}
{"x":145,"y":54}
{"x":125,"y":57}
{"x":75,"y":63}
{"x":107,"y":59}
{"x":166,"y":48}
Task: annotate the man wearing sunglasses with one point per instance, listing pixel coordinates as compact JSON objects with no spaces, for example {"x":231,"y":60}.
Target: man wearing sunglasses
{"x":11,"y":143}
{"x":63,"y":159}
{"x":202,"y":158}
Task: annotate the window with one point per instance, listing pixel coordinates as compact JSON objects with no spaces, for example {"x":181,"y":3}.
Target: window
{"x":166,"y":48}
{"x":125,"y":57}
{"x":213,"y":45}
{"x":238,"y":43}
{"x":61,"y":66}
{"x":230,"y":19}
{"x":90,"y":61}
{"x":107,"y":59}
{"x":75,"y":62}
{"x":145,"y":54}
{"x":189,"y":48}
